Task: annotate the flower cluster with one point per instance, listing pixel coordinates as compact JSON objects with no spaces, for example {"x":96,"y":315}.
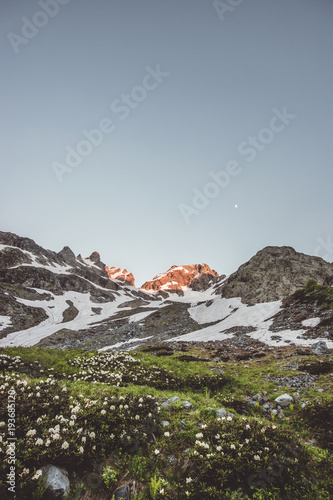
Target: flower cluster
{"x":245,"y":445}
{"x":53,"y":426}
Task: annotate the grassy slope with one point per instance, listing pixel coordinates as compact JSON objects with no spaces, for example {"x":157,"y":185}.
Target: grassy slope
{"x":175,"y":462}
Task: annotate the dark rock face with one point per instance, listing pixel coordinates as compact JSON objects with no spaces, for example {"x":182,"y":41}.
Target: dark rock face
{"x":68,"y":256}
{"x":273,"y":273}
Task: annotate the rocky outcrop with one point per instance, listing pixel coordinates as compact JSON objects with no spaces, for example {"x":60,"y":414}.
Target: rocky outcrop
{"x":274,"y":273}
{"x":122,"y":275}
{"x":197,"y":277}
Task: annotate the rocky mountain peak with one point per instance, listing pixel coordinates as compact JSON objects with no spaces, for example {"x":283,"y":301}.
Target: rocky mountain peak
{"x":275,"y":272}
{"x":118,"y":274}
{"x":67,"y":255}
{"x":198,"y":277}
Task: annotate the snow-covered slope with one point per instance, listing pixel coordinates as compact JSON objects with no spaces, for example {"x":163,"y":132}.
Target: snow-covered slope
{"x":62,"y":300}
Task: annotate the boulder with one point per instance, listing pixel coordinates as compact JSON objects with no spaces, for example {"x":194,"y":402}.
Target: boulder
{"x":284,"y":400}
{"x":56,"y":482}
{"x":319,"y":348}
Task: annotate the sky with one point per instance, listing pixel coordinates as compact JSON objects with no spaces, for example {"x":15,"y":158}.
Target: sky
{"x":163,"y":133}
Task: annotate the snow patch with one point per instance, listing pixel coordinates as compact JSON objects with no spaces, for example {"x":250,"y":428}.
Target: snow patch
{"x":110,"y":347}
{"x":312,"y":322}
{"x":4,"y":322}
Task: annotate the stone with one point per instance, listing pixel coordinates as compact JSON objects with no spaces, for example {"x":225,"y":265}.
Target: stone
{"x":284,"y":400}
{"x":187,"y":405}
{"x":122,"y":493}
{"x":319,"y":348}
{"x":174,"y":399}
{"x":222,"y":412}
{"x":165,"y":423}
{"x":56,"y":482}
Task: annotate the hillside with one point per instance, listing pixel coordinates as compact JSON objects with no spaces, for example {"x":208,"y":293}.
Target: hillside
{"x":168,"y":421}
{"x":57,"y":299}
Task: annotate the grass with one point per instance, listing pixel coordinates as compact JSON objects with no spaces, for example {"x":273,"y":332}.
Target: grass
{"x":196,"y":455}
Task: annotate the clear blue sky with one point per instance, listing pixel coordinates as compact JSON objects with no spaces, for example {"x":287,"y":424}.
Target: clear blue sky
{"x":180,"y":89}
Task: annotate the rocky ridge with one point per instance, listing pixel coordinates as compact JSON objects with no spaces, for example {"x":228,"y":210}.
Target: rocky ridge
{"x":197,"y":277}
{"x":274,"y":273}
{"x":122,"y":275}
{"x":62,"y":300}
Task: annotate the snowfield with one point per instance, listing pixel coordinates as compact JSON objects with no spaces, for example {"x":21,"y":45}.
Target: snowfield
{"x":54,"y":309}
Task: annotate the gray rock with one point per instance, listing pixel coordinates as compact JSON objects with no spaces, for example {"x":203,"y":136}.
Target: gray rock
{"x":319,"y":348}
{"x":165,"y":423}
{"x":222,"y":412}
{"x":187,"y":405}
{"x":284,"y":400}
{"x":56,"y":482}
{"x":258,"y":398}
{"x":122,"y":493}
{"x":174,"y":399}
{"x":266,"y":406}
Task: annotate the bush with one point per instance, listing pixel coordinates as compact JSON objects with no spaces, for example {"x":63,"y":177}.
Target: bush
{"x":319,"y":416}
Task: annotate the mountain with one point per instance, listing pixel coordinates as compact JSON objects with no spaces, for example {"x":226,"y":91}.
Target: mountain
{"x":57,"y":299}
{"x":275,"y":272}
{"x":122,"y":275}
{"x":197,"y":277}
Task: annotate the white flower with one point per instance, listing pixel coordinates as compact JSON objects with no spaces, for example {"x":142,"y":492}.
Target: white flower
{"x":65,"y":445}
{"x":256,"y":457}
{"x":92,"y":435}
{"x":47,"y":442}
{"x":217,"y":436}
{"x":204,"y":426}
{"x":247,"y":441}
{"x":81,"y":450}
{"x":71,"y":423}
{"x":232,"y":447}
{"x":103,"y":412}
{"x":56,"y":436}
{"x":38,"y":474}
{"x":189,"y":480}
{"x":229,"y":419}
{"x":199,"y":435}
{"x":247,"y":426}
{"x":157,"y":452}
{"x":167,"y":434}
{"x":2,"y":424}
{"x":218,"y":448}
{"x":39,"y":441}
{"x":83,"y":439}
{"x":162,"y":492}
{"x":31,"y":433}
{"x":137,"y":417}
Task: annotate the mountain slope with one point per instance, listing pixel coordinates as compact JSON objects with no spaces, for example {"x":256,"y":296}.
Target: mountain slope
{"x":62,"y":300}
{"x":275,"y":272}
